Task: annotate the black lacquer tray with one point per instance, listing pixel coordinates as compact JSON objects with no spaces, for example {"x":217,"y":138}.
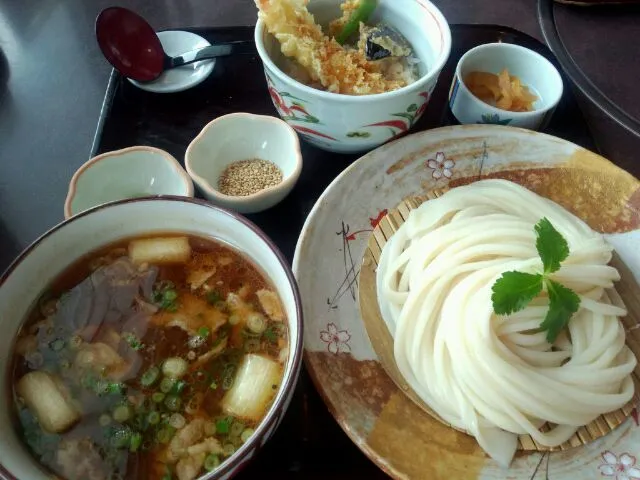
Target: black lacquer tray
{"x":309,"y":444}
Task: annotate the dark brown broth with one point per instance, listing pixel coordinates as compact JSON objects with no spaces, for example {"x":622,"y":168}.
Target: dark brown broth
{"x":158,"y":343}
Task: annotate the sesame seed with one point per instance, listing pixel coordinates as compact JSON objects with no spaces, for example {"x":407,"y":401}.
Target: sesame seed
{"x":246,"y":177}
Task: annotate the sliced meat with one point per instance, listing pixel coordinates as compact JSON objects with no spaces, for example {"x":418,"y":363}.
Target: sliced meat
{"x":147,"y":280}
{"x":271,"y":304}
{"x":74,"y":309}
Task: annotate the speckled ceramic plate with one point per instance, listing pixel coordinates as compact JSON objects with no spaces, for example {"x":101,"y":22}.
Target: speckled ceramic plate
{"x":399,"y":436}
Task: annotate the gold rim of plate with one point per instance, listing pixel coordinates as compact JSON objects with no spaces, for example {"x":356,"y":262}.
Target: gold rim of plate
{"x":383,"y":342}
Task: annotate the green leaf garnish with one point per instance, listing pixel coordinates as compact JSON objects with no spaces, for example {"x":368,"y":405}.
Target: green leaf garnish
{"x":513,"y":291}
{"x":551,"y":246}
{"x":563,"y":303}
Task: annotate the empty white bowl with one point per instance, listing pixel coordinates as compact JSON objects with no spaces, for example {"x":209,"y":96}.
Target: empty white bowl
{"x":244,"y":136}
{"x":128,"y":173}
{"x":536,"y":72}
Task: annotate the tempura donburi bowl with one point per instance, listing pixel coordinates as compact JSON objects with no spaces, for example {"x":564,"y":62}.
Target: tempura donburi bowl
{"x":355,"y":123}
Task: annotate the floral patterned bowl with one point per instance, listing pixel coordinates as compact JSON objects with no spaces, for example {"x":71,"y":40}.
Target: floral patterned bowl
{"x":350,"y":123}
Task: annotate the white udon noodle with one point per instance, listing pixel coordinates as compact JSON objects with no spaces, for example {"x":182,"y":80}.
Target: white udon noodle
{"x":490,"y":375}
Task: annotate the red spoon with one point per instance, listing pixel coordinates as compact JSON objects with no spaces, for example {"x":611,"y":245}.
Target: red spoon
{"x":131,"y":45}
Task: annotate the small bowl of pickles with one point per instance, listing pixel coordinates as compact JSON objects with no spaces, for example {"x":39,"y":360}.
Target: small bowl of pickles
{"x":505,"y":84}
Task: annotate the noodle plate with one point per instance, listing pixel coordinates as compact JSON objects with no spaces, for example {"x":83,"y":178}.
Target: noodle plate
{"x":497,"y":377}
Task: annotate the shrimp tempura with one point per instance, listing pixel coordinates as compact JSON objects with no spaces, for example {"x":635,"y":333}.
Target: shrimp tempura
{"x":339,"y":70}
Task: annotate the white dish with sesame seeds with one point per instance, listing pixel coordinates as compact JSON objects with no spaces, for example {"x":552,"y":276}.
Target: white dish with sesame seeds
{"x":244,"y":136}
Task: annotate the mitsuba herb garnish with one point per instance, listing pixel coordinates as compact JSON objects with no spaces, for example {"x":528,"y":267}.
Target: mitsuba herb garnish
{"x":513,"y":291}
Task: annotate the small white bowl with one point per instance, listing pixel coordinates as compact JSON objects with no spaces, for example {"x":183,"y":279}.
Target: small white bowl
{"x":535,"y":72}
{"x":244,"y":136}
{"x":128,"y":173}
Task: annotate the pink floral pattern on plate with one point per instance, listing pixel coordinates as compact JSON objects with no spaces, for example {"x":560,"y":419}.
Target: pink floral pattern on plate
{"x":441,"y":166}
{"x":620,"y":468}
{"x":336,"y":340}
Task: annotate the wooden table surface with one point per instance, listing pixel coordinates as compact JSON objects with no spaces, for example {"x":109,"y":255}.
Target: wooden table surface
{"x":52,"y":83}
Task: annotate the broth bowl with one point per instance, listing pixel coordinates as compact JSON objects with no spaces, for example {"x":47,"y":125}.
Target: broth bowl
{"x":356,"y":123}
{"x":50,"y":255}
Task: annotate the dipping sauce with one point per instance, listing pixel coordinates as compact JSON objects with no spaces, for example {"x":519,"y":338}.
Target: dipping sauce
{"x":246,"y":177}
{"x":154,"y":358}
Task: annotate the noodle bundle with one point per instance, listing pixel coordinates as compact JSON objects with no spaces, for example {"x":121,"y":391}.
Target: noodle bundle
{"x":497,"y":377}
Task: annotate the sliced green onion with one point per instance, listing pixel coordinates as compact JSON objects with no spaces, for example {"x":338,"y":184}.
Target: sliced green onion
{"x":122,"y":413}
{"x":150,"y":376}
{"x":178,"y":387}
{"x":270,"y":335}
{"x":115,"y":388}
{"x":167,"y":384}
{"x":211,"y":462}
{"x":75,"y":342}
{"x":175,"y":367}
{"x":247,"y":432}
{"x":135,"y":442}
{"x":104,"y":420}
{"x":222,"y":425}
{"x":173,"y":403}
{"x":256,"y":323}
{"x":169,"y":295}
{"x":100,"y":387}
{"x":213,"y":385}
{"x":227,"y":380}
{"x":133,"y":341}
{"x":177,"y":421}
{"x":164,"y":435}
{"x":57,"y":344}
{"x":121,"y":437}
{"x":252,"y":345}
{"x":203,"y":332}
{"x":279,"y":328}
{"x":153,"y":418}
{"x":228,"y":449}
{"x":214,"y":296}
{"x":236,"y":429}
{"x":157,"y":397}
{"x":234,"y":319}
{"x":210,"y":429}
{"x":246,"y":333}
{"x":88,"y":381}
{"x":193,"y":405}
